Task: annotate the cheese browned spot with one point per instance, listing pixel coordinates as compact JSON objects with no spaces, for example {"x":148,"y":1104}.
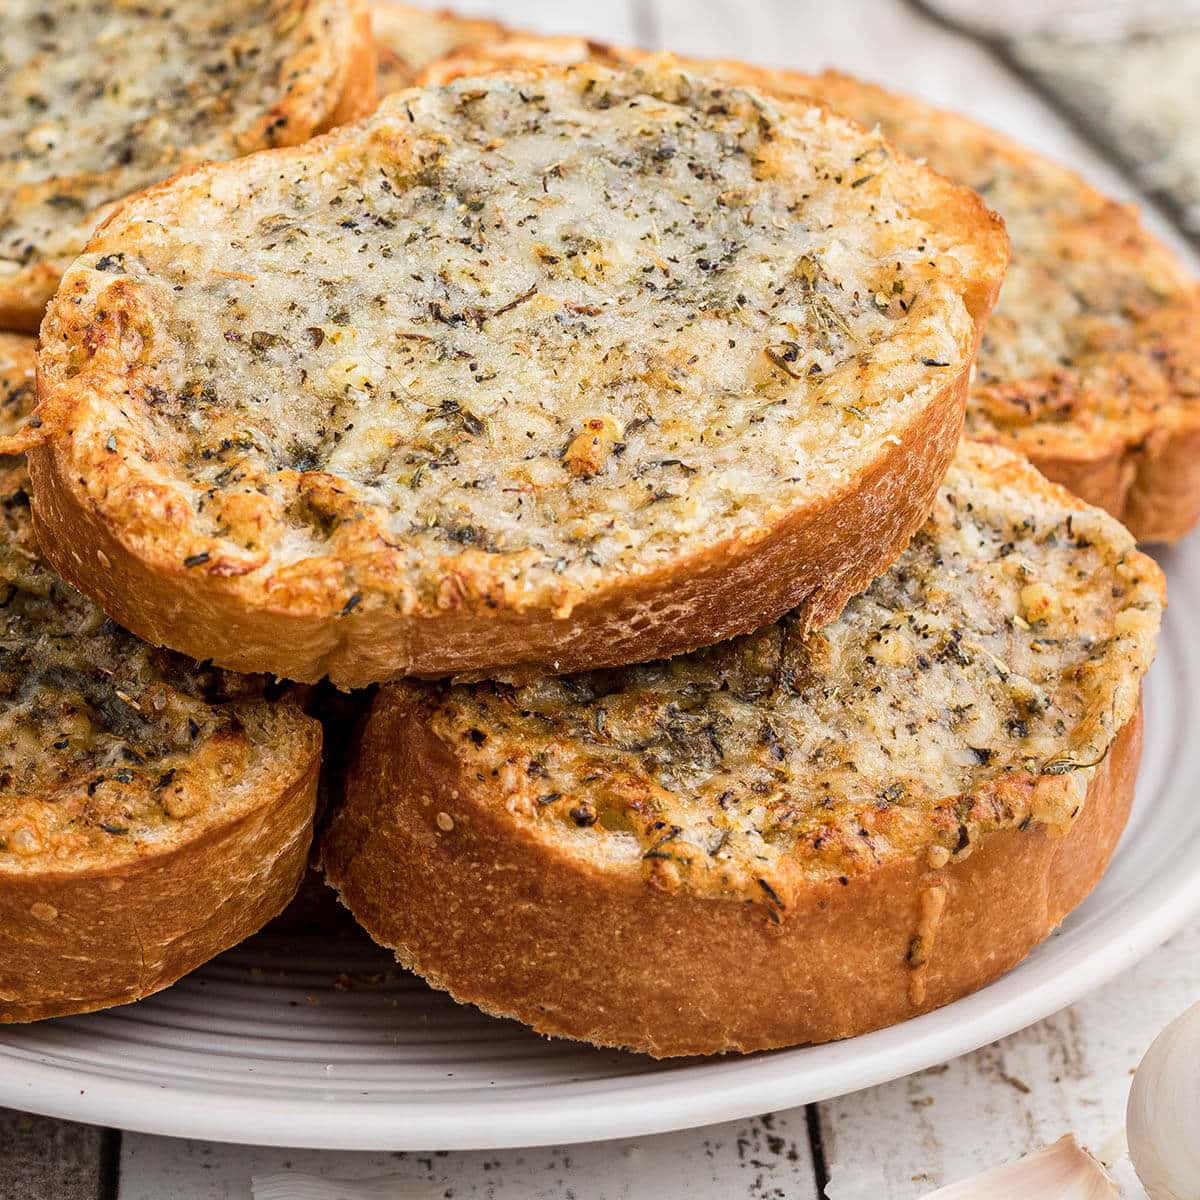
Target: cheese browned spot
{"x":108,"y":747}
{"x":1088,"y":364}
{"x":548,"y":332}
{"x":100,"y":98}
{"x":929,"y":714}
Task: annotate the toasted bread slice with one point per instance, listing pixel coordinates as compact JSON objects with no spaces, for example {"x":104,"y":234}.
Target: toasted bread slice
{"x":409,"y":38}
{"x":99,"y":98}
{"x":1089,"y":365}
{"x":776,"y":840}
{"x":153,"y":811}
{"x":577,"y":367}
{"x":514,"y":47}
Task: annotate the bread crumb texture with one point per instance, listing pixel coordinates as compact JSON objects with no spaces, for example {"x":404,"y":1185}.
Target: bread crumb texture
{"x":511,"y":341}
{"x":976,"y":686}
{"x":109,"y":748}
{"x":99,"y":98}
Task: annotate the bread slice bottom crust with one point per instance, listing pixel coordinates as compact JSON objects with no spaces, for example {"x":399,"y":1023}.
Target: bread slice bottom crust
{"x":1152,"y":488}
{"x":429,"y":866}
{"x":78,"y":940}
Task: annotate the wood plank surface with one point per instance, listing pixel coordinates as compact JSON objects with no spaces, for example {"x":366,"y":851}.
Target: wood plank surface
{"x":893,"y":1142}
{"x":1069,"y":1073}
{"x":44,"y":1159}
{"x":759,"y":1159}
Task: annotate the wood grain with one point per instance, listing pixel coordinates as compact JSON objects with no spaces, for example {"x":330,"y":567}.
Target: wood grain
{"x":46,"y":1159}
{"x":1068,"y":1073}
{"x":758,"y":1159}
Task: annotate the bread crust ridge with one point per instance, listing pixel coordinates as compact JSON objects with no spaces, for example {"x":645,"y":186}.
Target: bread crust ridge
{"x":123,"y":524}
{"x":430,"y":869}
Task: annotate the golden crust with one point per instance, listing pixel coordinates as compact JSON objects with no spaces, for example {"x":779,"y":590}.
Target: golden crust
{"x":408,"y":38}
{"x":152,"y":812}
{"x":77,"y":939}
{"x":479,"y":911}
{"x":817,"y":558}
{"x":319,"y":71}
{"x":360,"y":79}
{"x":18,"y":392}
{"x":744,"y":849}
{"x":514,"y":47}
{"x":121,"y":518}
{"x":23,"y":298}
{"x":1089,"y":364}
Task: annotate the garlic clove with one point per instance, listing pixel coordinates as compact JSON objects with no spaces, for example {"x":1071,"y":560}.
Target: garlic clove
{"x":1063,"y":1171}
{"x":1162,"y":1120}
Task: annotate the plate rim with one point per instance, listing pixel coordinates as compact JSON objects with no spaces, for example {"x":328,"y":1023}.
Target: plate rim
{"x":748,"y":1086}
{"x":762,"y":1083}
{"x":698,"y":1092}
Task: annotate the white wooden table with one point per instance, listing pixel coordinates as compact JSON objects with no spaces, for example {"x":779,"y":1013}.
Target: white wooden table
{"x":894,"y":1142}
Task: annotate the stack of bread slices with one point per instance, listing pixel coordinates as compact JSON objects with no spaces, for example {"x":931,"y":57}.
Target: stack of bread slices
{"x":595,"y":418}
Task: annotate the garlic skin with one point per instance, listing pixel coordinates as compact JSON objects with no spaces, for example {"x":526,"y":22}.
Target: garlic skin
{"x":1162,"y":1120}
{"x":1062,"y":1171}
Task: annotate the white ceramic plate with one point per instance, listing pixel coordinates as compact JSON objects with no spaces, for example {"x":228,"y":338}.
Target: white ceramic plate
{"x":326,"y":1045}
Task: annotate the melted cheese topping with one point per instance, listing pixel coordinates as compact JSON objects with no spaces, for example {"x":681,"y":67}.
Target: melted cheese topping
{"x":976,"y":685}
{"x":99,"y":98}
{"x":106,"y":744}
{"x":1093,"y":341}
{"x":1094,"y":335}
{"x":579,"y":325}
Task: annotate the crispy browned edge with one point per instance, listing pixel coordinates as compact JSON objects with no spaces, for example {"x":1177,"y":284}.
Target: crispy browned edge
{"x":486,"y":912}
{"x":1151,"y":483}
{"x":23,"y":300}
{"x":359,"y":94}
{"x":395,"y":71}
{"x":816,"y":557}
{"x":77,"y":940}
{"x":819,"y":556}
